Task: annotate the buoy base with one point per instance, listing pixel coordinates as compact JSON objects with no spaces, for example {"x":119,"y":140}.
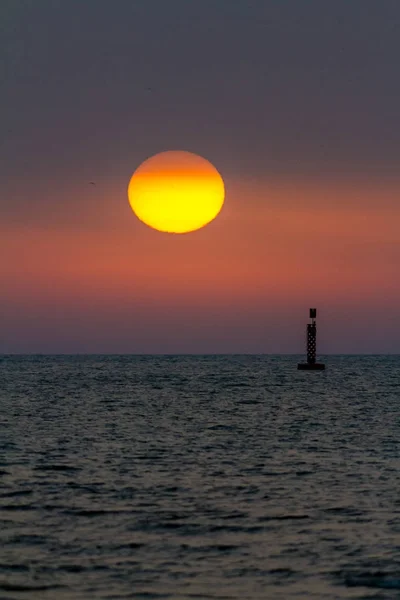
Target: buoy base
{"x":311,"y":366}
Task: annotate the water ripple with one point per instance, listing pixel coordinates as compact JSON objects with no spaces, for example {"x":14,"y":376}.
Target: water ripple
{"x":199,"y":477}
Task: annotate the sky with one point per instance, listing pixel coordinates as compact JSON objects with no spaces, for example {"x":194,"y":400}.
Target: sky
{"x":295,"y":103}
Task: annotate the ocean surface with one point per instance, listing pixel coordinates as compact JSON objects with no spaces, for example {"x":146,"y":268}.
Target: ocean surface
{"x":199,"y":477}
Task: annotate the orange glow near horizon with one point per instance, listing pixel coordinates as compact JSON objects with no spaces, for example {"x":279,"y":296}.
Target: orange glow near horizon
{"x":105,"y":282}
{"x":176,"y":192}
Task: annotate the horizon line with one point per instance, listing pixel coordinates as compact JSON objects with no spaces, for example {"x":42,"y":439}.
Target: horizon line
{"x":5,"y":354}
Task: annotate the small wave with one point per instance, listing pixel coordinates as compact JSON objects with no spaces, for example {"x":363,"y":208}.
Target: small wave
{"x":251,"y":402}
{"x":373,"y":580}
{"x":149,"y":595}
{"x":282,"y":518}
{"x":14,"y":567}
{"x":130,"y":546}
{"x":16,"y":493}
{"x":16,"y":507}
{"x":27,"y":539}
{"x":222,"y":547}
{"x":81,"y":568}
{"x":14,"y":587}
{"x":56,"y":507}
{"x":56,"y":468}
{"x":234,"y":529}
{"x":172,"y":525}
{"x":221,"y":428}
{"x":236,"y":515}
{"x":344,"y":510}
{"x":282,"y":572}
{"x":82,"y":512}
{"x":211,"y":548}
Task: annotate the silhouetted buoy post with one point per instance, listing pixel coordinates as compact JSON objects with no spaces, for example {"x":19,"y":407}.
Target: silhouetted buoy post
{"x":311,"y":364}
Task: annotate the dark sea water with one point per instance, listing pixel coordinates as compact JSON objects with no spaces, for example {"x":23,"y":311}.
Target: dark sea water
{"x":208,"y":477}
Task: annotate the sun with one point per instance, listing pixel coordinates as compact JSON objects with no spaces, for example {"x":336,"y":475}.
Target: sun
{"x":176,"y":192}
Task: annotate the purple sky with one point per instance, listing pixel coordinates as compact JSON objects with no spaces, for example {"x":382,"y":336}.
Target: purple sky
{"x":296,"y":104}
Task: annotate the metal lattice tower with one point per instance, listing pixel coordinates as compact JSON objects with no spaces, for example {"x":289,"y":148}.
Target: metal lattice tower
{"x":312,"y":345}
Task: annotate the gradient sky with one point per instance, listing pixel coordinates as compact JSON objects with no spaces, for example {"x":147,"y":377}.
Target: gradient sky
{"x":295,"y":103}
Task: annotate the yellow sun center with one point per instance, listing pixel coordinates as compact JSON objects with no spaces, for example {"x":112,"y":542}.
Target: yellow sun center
{"x":176,"y":192}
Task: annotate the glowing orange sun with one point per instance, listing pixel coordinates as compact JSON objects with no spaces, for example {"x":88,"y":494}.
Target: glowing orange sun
{"x":176,"y":192}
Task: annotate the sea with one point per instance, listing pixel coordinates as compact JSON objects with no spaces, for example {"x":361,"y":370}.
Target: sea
{"x":199,"y":477}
